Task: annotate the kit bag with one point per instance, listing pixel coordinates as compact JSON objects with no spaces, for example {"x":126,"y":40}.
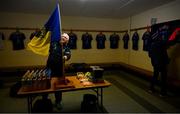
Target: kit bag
{"x":89,"y":103}
{"x":14,"y":89}
{"x":1,"y":83}
{"x":42,"y":106}
{"x":79,"y":67}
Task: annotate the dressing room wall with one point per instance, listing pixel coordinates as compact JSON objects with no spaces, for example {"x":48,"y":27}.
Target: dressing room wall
{"x":163,"y":13}
{"x":18,"y":58}
{"x":140,"y":59}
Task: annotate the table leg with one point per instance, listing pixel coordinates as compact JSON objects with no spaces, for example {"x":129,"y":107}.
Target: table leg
{"x":29,"y":100}
{"x":99,"y":94}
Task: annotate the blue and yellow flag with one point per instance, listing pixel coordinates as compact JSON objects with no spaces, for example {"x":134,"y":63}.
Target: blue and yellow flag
{"x":51,"y":32}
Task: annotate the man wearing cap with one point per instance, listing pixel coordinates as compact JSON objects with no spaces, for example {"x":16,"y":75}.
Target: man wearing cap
{"x":58,"y":53}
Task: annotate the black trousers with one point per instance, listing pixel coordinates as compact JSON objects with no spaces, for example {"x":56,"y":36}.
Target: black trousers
{"x":163,"y":82}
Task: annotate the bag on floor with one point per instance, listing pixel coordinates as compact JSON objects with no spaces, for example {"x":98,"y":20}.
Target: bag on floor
{"x":14,"y":89}
{"x":79,"y":67}
{"x":42,"y":106}
{"x":89,"y":103}
{"x":1,"y":83}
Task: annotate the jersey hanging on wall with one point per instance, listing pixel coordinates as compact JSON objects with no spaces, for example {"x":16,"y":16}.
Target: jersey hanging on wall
{"x":126,"y":40}
{"x":72,"y":44}
{"x":100,"y":38}
{"x":86,"y":40}
{"x":17,"y":39}
{"x":114,"y":41}
{"x":1,"y":41}
{"x":135,"y":39}
{"x":163,"y":31}
{"x":146,"y":40}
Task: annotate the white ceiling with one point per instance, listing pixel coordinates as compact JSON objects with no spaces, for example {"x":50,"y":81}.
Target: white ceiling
{"x":85,"y":8}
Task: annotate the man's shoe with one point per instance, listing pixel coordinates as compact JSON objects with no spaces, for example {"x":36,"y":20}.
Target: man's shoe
{"x":59,"y":105}
{"x":163,"y":94}
{"x":151,"y":91}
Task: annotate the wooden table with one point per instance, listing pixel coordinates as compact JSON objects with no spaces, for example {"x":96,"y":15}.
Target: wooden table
{"x":74,"y":85}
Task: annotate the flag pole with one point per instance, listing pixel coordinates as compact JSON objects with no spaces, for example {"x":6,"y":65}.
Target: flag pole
{"x":63,"y":61}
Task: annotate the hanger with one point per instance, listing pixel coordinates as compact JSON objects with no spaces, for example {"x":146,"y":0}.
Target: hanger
{"x":136,"y":31}
{"x":17,"y":29}
{"x":37,"y":30}
{"x":165,"y":26}
{"x":148,"y":28}
{"x":126,"y":33}
{"x":71,"y":31}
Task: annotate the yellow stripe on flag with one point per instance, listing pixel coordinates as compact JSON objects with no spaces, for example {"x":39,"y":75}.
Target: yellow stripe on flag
{"x":40,"y":45}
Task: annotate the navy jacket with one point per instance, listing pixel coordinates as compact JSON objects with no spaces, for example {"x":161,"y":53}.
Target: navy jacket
{"x":158,"y":54}
{"x":100,"y":38}
{"x":86,"y":41}
{"x":126,"y":40}
{"x":55,"y":60}
{"x":72,"y":40}
{"x":146,"y":40}
{"x":17,"y":39}
{"x":135,"y":39}
{"x":114,"y":41}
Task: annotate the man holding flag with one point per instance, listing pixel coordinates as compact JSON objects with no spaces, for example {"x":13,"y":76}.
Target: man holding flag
{"x":55,"y":63}
{"x":50,"y":41}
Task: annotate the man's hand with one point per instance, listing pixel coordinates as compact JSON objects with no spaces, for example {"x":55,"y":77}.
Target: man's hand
{"x":65,"y":58}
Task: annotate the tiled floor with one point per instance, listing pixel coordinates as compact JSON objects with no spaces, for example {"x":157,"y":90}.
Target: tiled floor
{"x":128,"y":94}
